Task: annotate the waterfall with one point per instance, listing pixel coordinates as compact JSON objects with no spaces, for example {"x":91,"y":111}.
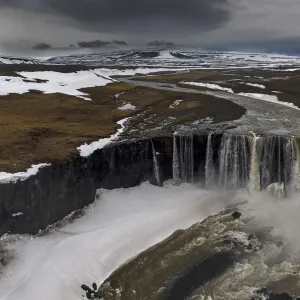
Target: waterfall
{"x":183,"y":162}
{"x":233,"y":161}
{"x":296,"y":173}
{"x":191,"y":171}
{"x":156,"y":169}
{"x":237,"y":161}
{"x":175,"y":163}
{"x":209,"y":162}
{"x":291,"y":166}
{"x":270,"y":161}
{"x":254,"y":181}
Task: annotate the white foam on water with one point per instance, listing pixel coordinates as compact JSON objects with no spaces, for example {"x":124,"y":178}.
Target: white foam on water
{"x":118,"y":226}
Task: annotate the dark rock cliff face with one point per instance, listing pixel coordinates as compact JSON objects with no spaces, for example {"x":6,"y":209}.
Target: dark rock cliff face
{"x":218,"y":159}
{"x":61,"y":188}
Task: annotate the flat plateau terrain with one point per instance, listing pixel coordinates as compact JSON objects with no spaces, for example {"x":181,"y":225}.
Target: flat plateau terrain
{"x":37,"y":127}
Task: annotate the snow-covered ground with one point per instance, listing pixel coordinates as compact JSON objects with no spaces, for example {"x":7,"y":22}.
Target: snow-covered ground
{"x":118,"y":226}
{"x":269,"y":98}
{"x":176,"y":103}
{"x":209,"y":86}
{"x":7,"y":60}
{"x":263,"y":97}
{"x":13,"y":177}
{"x":87,"y":149}
{"x":191,"y":58}
{"x":50,"y":82}
{"x":260,"y":86}
{"x":127,"y":106}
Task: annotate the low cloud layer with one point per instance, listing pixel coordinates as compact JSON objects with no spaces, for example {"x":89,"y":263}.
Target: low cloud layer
{"x":203,"y":23}
{"x":41,"y":46}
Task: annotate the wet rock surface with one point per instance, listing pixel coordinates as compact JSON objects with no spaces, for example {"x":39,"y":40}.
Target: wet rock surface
{"x":178,"y":266}
{"x":266,"y":294}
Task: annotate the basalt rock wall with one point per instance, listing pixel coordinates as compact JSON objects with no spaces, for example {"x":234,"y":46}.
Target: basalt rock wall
{"x":62,"y":188}
{"x":212,"y":160}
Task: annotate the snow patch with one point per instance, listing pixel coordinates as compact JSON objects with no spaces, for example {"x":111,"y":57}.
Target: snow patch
{"x":254,"y":85}
{"x":88,"y":149}
{"x":22,"y":176}
{"x":176,"y":102}
{"x":17,"y":214}
{"x":209,"y":86}
{"x":66,"y":83}
{"x":269,"y":98}
{"x":127,"y":106}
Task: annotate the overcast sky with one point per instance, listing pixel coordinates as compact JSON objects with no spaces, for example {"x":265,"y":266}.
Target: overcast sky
{"x":265,"y":24}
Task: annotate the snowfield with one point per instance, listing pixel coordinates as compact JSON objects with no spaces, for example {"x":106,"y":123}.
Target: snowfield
{"x":114,"y":229}
{"x":50,"y":82}
{"x":16,"y":60}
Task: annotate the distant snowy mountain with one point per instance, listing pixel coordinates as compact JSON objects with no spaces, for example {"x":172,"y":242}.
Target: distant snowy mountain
{"x":7,"y":60}
{"x":180,"y":58}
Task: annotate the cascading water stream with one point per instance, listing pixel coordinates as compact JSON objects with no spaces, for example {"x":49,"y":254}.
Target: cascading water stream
{"x":243,"y":161}
{"x":297,"y":166}
{"x":183,"y":159}
{"x":254,"y":178}
{"x":156,"y":168}
{"x":209,"y":163}
{"x":291,"y":165}
{"x":175,"y":163}
{"x":233,"y":162}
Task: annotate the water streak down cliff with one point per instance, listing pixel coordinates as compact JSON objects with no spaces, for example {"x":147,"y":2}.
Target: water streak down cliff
{"x":213,"y":160}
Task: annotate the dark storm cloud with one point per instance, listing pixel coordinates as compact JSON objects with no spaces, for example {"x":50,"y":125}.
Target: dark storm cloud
{"x":41,"y":46}
{"x":145,"y":15}
{"x":93,"y":44}
{"x":134,"y":15}
{"x":232,"y":24}
{"x":99,"y":44}
{"x":161,"y":44}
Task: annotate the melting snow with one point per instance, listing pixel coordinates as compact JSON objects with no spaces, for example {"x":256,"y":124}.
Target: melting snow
{"x":269,"y":98}
{"x":209,"y":86}
{"x":54,"y":82}
{"x":176,"y":102}
{"x":127,"y":106}
{"x":255,"y":85}
{"x":17,"y":214}
{"x":65,"y":83}
{"x":118,"y":226}
{"x":264,"y":97}
{"x":88,"y":149}
{"x":14,"y":177}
